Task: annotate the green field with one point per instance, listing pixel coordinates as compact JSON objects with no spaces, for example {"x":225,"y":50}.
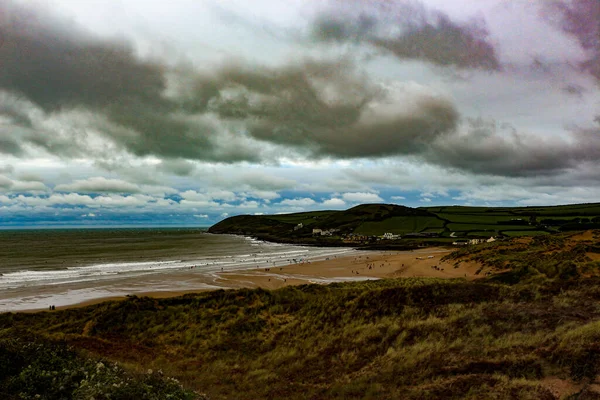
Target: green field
{"x":400,"y":225}
{"x":307,"y":218}
{"x":480,"y":234}
{"x":524,"y":233}
{"x":483,"y":227}
{"x":572,"y":209}
{"x":480,"y":218}
{"x":377,"y":219}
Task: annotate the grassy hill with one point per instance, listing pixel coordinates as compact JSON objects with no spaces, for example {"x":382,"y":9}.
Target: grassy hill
{"x":366,"y":219}
{"x":445,"y":222}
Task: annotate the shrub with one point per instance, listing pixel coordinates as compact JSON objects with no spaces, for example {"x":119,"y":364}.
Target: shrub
{"x":36,"y":369}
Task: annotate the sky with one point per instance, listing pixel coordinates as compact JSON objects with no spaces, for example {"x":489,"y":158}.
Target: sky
{"x":128,"y":112}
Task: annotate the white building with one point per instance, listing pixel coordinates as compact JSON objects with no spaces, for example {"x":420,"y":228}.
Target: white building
{"x":476,"y":241}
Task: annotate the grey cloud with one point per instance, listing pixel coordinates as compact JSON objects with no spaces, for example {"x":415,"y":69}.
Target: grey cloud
{"x":8,"y":144}
{"x":59,"y":68}
{"x":317,"y":108}
{"x":5,"y":183}
{"x":177,"y":166}
{"x":574,"y":90}
{"x":487,"y":147}
{"x":56,"y":65}
{"x":98,"y":185}
{"x":7,"y":169}
{"x":580,"y":19}
{"x":409,"y":31}
{"x":240,"y":112}
{"x":261,"y":181}
{"x":327,"y":109}
{"x":28,"y":177}
{"x":401,"y":135}
{"x":13,"y":111}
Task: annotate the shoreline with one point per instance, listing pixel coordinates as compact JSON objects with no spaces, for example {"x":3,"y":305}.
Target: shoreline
{"x":356,"y":267}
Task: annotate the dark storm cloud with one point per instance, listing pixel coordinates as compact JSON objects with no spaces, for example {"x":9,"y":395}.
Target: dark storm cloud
{"x":399,"y":135}
{"x":57,"y":67}
{"x":409,"y":31}
{"x":324,"y":110}
{"x":489,"y":147}
{"x":320,"y":108}
{"x":238,"y":112}
{"x":580,"y":19}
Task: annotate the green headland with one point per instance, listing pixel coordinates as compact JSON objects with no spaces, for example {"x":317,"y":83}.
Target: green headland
{"x":363,"y":225}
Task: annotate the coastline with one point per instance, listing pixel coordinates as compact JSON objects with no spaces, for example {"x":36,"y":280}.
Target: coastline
{"x":362,"y":266}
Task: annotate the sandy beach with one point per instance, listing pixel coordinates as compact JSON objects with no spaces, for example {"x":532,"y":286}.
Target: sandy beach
{"x":362,"y":266}
{"x":371,"y":265}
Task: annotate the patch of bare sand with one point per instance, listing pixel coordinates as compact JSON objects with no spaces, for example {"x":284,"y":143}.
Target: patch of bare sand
{"x":593,"y":256}
{"x":584,"y":236}
{"x":561,"y":388}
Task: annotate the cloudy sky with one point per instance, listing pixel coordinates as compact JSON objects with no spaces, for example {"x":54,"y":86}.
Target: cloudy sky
{"x":185,"y":112}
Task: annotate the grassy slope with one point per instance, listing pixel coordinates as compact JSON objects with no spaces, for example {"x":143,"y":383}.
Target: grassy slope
{"x":405,"y":338}
{"x":376,"y":219}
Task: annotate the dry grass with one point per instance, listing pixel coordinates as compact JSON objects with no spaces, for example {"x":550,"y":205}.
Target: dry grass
{"x":412,"y":338}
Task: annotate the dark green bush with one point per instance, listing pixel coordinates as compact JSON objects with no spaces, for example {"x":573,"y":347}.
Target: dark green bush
{"x":36,"y":369}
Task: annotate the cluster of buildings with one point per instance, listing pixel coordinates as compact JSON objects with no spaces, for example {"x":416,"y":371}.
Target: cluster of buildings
{"x":324,"y":232}
{"x":465,"y":242}
{"x":358,"y":238}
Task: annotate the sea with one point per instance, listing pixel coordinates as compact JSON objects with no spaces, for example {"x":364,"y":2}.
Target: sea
{"x":60,"y":267}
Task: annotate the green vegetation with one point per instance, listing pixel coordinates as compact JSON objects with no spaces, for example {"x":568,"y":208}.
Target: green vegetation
{"x":415,"y":338}
{"x":534,"y":259}
{"x":525,"y":233}
{"x":490,"y":228}
{"x":412,"y":338}
{"x":42,"y":369}
{"x":400,"y":225}
{"x":376,"y":219}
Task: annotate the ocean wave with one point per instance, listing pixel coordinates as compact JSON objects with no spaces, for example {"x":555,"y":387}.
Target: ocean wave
{"x":271,"y":255}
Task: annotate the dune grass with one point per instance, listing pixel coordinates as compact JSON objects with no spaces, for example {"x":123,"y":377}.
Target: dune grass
{"x":413,"y":338}
{"x":405,"y":338}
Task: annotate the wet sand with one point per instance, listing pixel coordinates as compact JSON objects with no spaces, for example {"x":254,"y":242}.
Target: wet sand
{"x":367,"y":265}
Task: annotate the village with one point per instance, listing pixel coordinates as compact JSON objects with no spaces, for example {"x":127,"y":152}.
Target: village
{"x":361,"y":238}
